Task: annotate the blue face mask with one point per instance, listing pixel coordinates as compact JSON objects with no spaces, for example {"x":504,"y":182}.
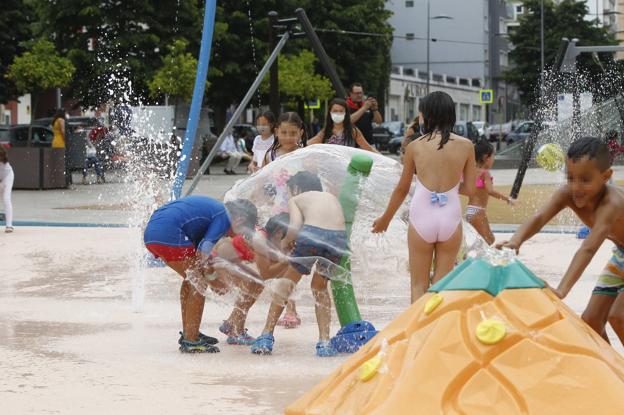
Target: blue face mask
{"x":422,"y":129}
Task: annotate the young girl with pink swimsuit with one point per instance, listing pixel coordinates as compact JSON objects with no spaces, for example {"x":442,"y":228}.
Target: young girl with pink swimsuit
{"x":444,"y":165}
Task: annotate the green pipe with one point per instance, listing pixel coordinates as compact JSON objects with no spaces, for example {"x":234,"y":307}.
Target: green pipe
{"x":344,"y":296}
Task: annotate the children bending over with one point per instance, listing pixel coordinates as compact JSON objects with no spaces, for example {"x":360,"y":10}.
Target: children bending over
{"x":183,"y":233}
{"x":439,"y":159}
{"x":265,"y":252}
{"x":600,"y":207}
{"x":317,"y":229}
{"x":476,"y":211}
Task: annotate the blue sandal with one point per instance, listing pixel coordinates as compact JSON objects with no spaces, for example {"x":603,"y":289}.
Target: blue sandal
{"x":263,"y":344}
{"x":325,"y":349}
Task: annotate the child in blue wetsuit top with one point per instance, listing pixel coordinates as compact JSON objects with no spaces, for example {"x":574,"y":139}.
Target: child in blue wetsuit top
{"x":317,"y":229}
{"x":183,"y":233}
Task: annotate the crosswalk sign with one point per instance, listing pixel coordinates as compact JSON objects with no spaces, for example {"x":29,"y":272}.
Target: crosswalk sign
{"x":486,"y":96}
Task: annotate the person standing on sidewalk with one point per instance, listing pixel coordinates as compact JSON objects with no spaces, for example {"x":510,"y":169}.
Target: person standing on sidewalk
{"x":58,"y":127}
{"x":6,"y":184}
{"x":363,"y":112}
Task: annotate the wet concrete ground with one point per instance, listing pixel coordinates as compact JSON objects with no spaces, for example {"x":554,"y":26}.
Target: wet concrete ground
{"x":72,"y":343}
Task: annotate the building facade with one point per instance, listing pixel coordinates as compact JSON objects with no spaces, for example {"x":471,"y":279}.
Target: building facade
{"x":467,"y":40}
{"x":407,"y":87}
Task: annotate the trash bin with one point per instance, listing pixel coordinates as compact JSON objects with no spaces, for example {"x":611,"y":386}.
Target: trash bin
{"x":38,"y":167}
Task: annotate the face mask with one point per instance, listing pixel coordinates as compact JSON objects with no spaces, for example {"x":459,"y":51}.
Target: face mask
{"x":262,"y":129}
{"x":422,"y":129}
{"x":337,"y":117}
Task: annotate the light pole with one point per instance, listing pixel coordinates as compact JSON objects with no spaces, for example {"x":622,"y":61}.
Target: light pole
{"x":429,"y":19}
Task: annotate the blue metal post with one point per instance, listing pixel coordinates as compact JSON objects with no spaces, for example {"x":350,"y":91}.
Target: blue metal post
{"x":198,"y":96}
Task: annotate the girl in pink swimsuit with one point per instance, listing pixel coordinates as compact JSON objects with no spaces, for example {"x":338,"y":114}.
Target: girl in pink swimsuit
{"x":440,"y":159}
{"x":476,"y":213}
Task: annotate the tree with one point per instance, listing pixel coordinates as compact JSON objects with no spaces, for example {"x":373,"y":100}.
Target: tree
{"x":299,"y":80}
{"x":39,"y":69}
{"x":566,"y":19}
{"x":116,"y":45}
{"x":14,"y":29}
{"x":365,"y":59}
{"x":176,"y":77}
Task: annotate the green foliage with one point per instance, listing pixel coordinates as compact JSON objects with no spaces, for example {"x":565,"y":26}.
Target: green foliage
{"x":14,"y":29}
{"x":566,"y":19}
{"x":176,"y":77}
{"x":40,"y":68}
{"x":297,"y":78}
{"x":364,"y":59}
{"x":116,"y":46}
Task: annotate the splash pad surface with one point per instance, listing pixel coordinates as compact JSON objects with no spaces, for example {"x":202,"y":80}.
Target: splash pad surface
{"x":70,"y":341}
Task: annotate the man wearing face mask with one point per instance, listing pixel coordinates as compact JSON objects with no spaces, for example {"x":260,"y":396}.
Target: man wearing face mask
{"x":363,"y":111}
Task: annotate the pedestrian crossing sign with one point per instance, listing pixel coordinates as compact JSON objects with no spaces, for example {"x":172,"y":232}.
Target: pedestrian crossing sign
{"x":486,"y":96}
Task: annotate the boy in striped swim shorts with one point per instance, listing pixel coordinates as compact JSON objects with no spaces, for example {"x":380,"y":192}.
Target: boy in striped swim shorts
{"x":600,"y":206}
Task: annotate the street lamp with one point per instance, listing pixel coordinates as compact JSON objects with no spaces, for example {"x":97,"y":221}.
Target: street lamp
{"x":429,"y":19}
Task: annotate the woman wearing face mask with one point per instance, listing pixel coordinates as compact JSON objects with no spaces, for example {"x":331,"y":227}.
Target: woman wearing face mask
{"x":339,"y":130}
{"x":265,"y":124}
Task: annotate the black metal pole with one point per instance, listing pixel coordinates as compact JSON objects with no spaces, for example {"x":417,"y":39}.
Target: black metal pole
{"x":239,"y":110}
{"x":530,"y":142}
{"x":320,"y":52}
{"x":527,"y":153}
{"x":274,"y":100}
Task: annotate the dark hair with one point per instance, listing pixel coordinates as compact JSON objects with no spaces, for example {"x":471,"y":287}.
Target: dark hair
{"x":4,"y":157}
{"x":243,"y":208}
{"x":593,"y":148}
{"x":353,"y":85}
{"x":483,"y":148}
{"x":304,"y":181}
{"x":287,"y":117}
{"x":270,"y":117}
{"x":438,"y":111}
{"x":349,"y":130}
{"x":278,"y":223}
{"x":60,"y":113}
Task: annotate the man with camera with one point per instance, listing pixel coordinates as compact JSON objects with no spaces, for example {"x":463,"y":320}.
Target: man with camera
{"x":363,"y":111}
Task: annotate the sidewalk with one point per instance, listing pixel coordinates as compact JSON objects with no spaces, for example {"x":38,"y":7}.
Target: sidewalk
{"x":94,"y":204}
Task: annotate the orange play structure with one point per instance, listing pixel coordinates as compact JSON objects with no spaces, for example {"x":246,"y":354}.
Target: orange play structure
{"x":485,"y":340}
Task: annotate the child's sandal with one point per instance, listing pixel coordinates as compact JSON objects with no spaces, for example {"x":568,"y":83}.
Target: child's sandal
{"x":8,"y":229}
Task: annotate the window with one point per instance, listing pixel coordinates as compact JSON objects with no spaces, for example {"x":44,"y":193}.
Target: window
{"x":464,"y":111}
{"x":409,"y":3}
{"x":519,"y":9}
{"x":408,"y":72}
{"x":459,"y":130}
{"x":476,"y":113}
{"x":503,"y":60}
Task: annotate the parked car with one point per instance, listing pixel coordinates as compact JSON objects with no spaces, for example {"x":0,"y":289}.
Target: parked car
{"x":466,"y":129}
{"x":383,"y":133}
{"x":520,"y":133}
{"x":24,"y":135}
{"x":500,"y":131}
{"x":481,"y":127}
